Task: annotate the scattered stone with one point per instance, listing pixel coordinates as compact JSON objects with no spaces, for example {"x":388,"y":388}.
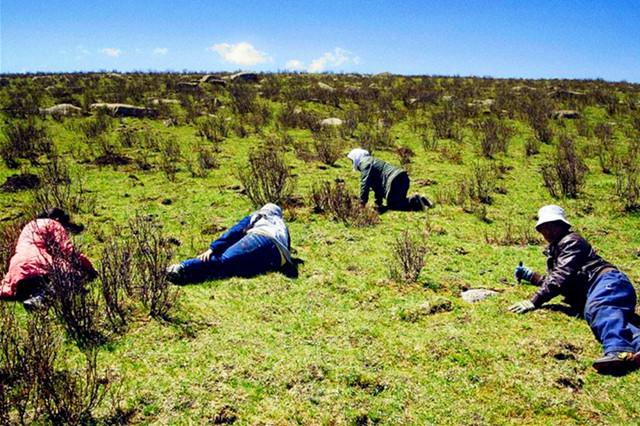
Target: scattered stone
{"x":213,"y":79}
{"x":15,"y":183}
{"x":568,"y":114}
{"x":477,"y":294}
{"x":325,"y":86}
{"x":124,"y":110}
{"x":62,"y":110}
{"x":331,"y":122}
{"x":249,"y":77}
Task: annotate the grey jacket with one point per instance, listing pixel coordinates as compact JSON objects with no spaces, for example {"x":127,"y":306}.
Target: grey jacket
{"x":376,"y":175}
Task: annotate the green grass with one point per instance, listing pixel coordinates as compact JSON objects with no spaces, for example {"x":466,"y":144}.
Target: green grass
{"x":331,"y":347}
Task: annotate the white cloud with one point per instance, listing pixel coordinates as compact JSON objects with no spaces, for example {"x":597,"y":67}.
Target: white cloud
{"x":332,"y":59}
{"x":112,"y":51}
{"x":294,"y":65}
{"x":242,"y":53}
{"x":160,"y":51}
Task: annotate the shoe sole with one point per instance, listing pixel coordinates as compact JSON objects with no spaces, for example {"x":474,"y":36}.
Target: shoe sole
{"x":614,"y":368}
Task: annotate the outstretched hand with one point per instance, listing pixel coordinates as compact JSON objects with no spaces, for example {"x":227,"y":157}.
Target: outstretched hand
{"x":522,"y":307}
{"x":523,"y":273}
{"x":206,"y":256}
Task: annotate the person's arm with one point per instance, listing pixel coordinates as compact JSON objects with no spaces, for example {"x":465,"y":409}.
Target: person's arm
{"x":569,"y":261}
{"x":232,"y":236}
{"x":365,"y":184}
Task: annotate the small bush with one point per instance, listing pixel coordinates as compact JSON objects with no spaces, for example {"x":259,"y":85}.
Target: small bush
{"x":328,"y":146}
{"x":336,"y":201}
{"x":24,"y":139}
{"x":564,"y":174}
{"x":205,"y":160}
{"x":494,"y":137}
{"x":116,"y":276}
{"x":267,"y":177}
{"x":605,"y":147}
{"x":9,"y":233}
{"x":531,"y":146}
{"x":408,"y":258}
{"x":405,"y":155}
{"x":96,"y":126}
{"x":170,"y":156}
{"x":213,"y":129}
{"x":57,"y":189}
{"x":513,"y":234}
{"x":75,"y":305}
{"x":627,"y":188}
{"x":479,"y":184}
{"x":153,"y":253}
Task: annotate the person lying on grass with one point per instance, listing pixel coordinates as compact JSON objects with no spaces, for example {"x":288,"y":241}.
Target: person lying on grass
{"x":386,"y":181}
{"x":590,"y":285}
{"x":257,"y":244}
{"x":39,"y":242}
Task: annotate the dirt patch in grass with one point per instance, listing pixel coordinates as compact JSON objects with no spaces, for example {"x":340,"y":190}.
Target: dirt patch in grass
{"x":21,"y":182}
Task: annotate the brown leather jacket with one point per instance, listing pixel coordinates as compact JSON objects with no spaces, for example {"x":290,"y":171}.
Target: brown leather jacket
{"x":572,"y":267}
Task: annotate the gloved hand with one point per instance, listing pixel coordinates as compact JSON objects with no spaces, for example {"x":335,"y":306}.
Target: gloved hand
{"x":523,"y":273}
{"x":522,"y":307}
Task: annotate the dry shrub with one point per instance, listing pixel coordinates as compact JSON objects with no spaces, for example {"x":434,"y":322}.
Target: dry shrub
{"x":116,"y":276}
{"x":373,"y":139}
{"x":564,"y":173}
{"x":35,"y":385}
{"x":512,"y":235}
{"x":444,"y":122}
{"x":9,"y":233}
{"x":328,"y":146}
{"x":267,"y":177}
{"x":605,"y":147}
{"x":531,"y":146}
{"x":24,"y":139}
{"x":336,"y":201}
{"x":408,"y":257}
{"x":405,"y":155}
{"x":494,"y":137}
{"x":538,"y":108}
{"x":57,"y":189}
{"x":205,"y":160}
{"x":152,"y":255}
{"x":479,"y":184}
{"x":76,"y":305}
{"x":627,"y":188}
{"x":170,"y":156}
{"x":213,"y":129}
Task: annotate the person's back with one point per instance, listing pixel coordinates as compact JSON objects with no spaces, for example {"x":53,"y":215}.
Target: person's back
{"x":376,"y":175}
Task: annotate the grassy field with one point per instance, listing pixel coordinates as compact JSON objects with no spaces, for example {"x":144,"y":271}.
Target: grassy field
{"x":344,"y":343}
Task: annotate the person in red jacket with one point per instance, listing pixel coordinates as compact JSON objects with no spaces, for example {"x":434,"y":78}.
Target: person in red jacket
{"x":27,"y":277}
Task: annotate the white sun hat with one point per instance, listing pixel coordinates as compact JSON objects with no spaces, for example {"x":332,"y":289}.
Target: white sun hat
{"x":551,"y":213}
{"x":356,"y":155}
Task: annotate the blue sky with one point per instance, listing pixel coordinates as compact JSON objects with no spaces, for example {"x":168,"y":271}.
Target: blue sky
{"x":501,"y":38}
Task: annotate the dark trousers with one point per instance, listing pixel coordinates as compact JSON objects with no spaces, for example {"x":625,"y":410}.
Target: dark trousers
{"x":610,"y":307}
{"x":251,"y":255}
{"x":397,"y":196}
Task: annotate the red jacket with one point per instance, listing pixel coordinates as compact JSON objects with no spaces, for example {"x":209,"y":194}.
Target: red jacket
{"x":31,"y":258}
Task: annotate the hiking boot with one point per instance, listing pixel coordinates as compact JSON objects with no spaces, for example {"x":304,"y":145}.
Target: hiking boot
{"x":35,"y":303}
{"x":616,"y":363}
{"x":427,"y":203}
{"x":174,"y":273}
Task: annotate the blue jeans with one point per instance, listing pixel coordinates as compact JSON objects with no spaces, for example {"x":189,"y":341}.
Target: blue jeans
{"x":611,"y":303}
{"x":251,"y":255}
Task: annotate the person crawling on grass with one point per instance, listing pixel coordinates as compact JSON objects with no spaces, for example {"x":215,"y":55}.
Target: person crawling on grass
{"x":590,"y":285}
{"x":387,"y":182}
{"x":257,"y":244}
{"x":39,"y":242}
